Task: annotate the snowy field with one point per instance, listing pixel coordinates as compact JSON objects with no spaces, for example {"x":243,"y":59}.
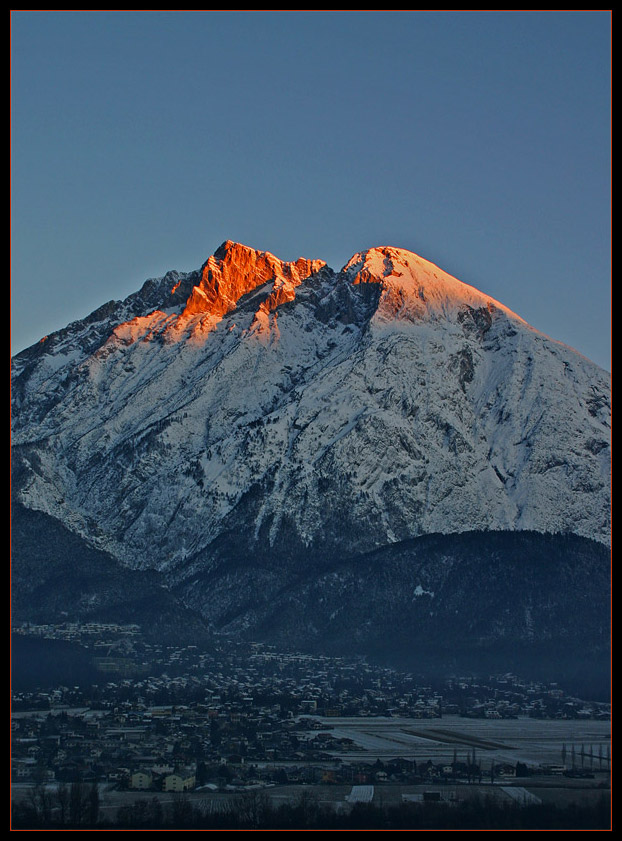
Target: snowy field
{"x":533,"y":741}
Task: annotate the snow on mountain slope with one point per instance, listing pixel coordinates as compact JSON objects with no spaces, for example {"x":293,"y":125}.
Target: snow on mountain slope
{"x":414,"y":289}
{"x":307,"y":412}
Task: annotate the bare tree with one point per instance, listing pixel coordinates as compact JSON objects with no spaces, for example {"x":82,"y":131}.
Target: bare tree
{"x":254,"y":808}
{"x":93,"y":805}
{"x":62,"y":798}
{"x":78,"y":803}
{"x":41,"y":801}
{"x":182,"y":810}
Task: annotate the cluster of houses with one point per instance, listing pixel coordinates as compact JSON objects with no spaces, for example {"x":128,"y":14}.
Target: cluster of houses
{"x":171,"y":717}
{"x":259,"y":676}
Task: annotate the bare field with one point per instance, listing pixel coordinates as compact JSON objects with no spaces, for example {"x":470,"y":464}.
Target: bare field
{"x":529,"y":740}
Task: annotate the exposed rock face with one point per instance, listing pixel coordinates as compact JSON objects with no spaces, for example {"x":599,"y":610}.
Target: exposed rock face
{"x":235,"y":270}
{"x":288,"y":414}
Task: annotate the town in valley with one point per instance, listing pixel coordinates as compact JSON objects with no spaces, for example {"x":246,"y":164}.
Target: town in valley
{"x":219,"y":722}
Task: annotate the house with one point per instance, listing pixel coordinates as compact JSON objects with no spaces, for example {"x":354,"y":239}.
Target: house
{"x":24,"y":768}
{"x":162,"y":768}
{"x":179,"y":782}
{"x":141,"y":780}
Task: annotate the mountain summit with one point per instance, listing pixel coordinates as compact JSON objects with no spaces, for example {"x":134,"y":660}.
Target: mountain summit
{"x":235,"y":270}
{"x":240,"y":427}
{"x":415,"y":289}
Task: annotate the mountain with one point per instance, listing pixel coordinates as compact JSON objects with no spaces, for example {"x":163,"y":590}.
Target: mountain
{"x":491,"y":601}
{"x":255,"y":423}
{"x":59,"y":578}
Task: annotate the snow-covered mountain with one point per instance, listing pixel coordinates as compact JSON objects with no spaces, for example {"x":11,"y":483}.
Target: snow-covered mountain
{"x":430,"y":406}
{"x":280,"y":417}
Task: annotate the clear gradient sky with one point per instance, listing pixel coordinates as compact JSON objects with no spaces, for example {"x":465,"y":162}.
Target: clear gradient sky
{"x":481,"y":141}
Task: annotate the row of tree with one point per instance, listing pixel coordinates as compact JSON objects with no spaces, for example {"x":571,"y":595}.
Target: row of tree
{"x":585,"y":757}
{"x":77,"y":807}
{"x":77,"y":804}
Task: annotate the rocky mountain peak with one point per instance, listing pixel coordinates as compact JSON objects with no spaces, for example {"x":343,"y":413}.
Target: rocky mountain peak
{"x":235,"y":270}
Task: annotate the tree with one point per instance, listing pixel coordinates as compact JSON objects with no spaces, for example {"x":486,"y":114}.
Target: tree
{"x":78,"y":803}
{"x":281,"y":776}
{"x":214,"y":732}
{"x":156,"y":813}
{"x":41,"y":801}
{"x":62,"y":797}
{"x":93,"y":804}
{"x":225,"y":773}
{"x":254,"y":808}
{"x":201,"y":774}
{"x":183,"y":811}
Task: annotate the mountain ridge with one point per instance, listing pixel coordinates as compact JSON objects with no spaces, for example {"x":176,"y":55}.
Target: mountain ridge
{"x":207,"y":291}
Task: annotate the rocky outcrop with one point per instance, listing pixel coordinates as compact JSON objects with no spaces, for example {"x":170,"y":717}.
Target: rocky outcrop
{"x":234,"y":270}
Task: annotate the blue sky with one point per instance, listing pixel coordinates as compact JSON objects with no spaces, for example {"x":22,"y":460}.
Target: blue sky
{"x":481,"y":141}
